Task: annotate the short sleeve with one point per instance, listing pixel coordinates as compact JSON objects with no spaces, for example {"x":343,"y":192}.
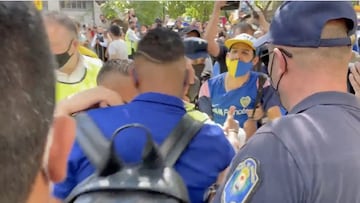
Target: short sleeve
{"x":204,"y":90}
{"x":263,"y":171}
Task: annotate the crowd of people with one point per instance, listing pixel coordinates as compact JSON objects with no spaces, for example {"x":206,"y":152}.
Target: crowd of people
{"x":279,"y":114}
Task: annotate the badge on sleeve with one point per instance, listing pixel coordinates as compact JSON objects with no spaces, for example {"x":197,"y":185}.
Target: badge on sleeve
{"x":242,"y":183}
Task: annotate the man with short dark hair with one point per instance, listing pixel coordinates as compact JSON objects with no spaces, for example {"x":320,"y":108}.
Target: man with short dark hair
{"x":311,"y":154}
{"x":160,"y":77}
{"x":30,"y":159}
{"x":117,"y":48}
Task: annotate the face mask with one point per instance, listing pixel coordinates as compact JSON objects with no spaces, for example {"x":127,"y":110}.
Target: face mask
{"x":237,"y":68}
{"x":63,"y":58}
{"x":198,"y":68}
{"x":275,"y":86}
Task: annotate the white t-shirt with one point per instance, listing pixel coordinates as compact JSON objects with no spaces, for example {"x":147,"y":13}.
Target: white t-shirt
{"x":117,"y":49}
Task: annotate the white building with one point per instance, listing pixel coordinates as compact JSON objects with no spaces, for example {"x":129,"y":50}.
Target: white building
{"x":85,"y":11}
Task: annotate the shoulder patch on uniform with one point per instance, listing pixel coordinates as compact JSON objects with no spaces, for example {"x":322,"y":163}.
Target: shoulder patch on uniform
{"x":242,"y":183}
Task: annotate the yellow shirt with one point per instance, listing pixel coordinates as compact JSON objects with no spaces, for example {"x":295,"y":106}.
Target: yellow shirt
{"x":87,"y":52}
{"x":195,"y":114}
{"x":82,"y":78}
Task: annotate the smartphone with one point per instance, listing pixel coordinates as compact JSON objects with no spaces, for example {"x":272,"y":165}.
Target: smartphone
{"x":231,"y":5}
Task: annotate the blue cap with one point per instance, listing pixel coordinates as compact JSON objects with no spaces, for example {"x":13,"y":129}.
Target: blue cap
{"x":189,"y":29}
{"x":300,"y":23}
{"x":195,"y":48}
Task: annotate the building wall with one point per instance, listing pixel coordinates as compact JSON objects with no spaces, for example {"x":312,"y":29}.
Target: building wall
{"x":85,"y":11}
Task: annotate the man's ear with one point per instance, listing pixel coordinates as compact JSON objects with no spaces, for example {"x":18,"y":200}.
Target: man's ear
{"x":63,"y":136}
{"x":227,"y":55}
{"x":134,"y":77}
{"x":280,"y":62}
{"x":76,"y":43}
{"x":255,"y":60}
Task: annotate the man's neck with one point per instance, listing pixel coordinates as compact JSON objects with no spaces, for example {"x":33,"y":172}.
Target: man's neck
{"x":305,"y":88}
{"x":232,"y":83}
{"x":116,"y":38}
{"x":40,"y":192}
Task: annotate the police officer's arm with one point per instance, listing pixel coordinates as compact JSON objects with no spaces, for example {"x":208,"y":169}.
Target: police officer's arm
{"x":211,"y":29}
{"x":354,"y":78}
{"x":263,"y":171}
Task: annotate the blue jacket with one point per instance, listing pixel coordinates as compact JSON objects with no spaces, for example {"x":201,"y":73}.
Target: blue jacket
{"x":207,"y":155}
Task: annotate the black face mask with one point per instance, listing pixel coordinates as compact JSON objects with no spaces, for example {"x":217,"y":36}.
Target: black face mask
{"x":198,"y":68}
{"x":63,"y":58}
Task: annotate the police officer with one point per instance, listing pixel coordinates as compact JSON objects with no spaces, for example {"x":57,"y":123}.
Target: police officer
{"x":160,"y":77}
{"x":311,"y":155}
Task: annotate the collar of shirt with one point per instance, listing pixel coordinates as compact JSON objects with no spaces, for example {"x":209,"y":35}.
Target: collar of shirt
{"x":76,"y":76}
{"x":159,"y":98}
{"x":326,"y":98}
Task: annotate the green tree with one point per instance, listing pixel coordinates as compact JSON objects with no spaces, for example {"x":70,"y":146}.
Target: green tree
{"x":175,"y":8}
{"x":266,"y":7}
{"x":147,"y":11}
{"x":198,"y":9}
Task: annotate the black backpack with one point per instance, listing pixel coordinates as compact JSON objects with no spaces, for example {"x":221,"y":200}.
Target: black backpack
{"x":152,"y":180}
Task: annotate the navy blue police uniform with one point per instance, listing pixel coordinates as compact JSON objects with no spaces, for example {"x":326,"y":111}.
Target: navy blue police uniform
{"x":312,"y":154}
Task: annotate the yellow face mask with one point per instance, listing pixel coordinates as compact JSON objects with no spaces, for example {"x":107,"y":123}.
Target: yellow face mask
{"x":237,"y":68}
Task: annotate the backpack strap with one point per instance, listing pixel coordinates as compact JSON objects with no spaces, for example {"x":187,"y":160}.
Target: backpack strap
{"x":262,"y":78}
{"x":95,"y":146}
{"x":179,"y":138}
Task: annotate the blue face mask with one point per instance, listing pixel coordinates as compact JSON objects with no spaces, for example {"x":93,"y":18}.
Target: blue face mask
{"x":237,"y":68}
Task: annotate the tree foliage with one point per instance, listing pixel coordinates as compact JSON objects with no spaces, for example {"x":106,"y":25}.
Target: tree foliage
{"x":148,"y":11}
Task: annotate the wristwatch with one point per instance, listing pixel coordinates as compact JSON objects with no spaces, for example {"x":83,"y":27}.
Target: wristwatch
{"x":210,"y":192}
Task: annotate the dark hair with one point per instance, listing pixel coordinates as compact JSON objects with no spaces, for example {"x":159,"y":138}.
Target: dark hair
{"x":63,"y":20}
{"x":115,"y":30}
{"x":27,"y":87}
{"x":161,"y":45}
{"x":121,"y":66}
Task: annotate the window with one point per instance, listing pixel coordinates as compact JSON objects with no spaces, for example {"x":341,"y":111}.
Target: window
{"x":45,"y":5}
{"x":76,"y":4}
